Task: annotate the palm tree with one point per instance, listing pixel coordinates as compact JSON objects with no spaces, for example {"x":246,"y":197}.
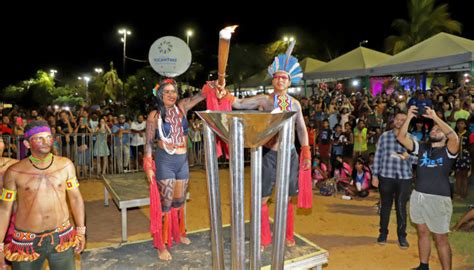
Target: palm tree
{"x":425,"y":20}
{"x":113,"y":84}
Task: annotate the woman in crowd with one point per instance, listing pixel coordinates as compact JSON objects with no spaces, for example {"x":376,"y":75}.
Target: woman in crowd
{"x":101,"y":149}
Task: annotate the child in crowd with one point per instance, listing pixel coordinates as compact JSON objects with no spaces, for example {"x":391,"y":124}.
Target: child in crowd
{"x":319,"y":171}
{"x":361,"y":178}
{"x":342,"y":172}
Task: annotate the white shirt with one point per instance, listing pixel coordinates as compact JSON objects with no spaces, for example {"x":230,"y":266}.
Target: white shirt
{"x":138,"y":139}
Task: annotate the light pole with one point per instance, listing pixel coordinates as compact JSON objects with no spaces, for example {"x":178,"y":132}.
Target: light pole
{"x":363,"y":42}
{"x":124,"y":32}
{"x":86,"y":79}
{"x":189,"y":33}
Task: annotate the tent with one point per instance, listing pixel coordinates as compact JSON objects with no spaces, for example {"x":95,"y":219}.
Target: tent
{"x":355,"y":63}
{"x":440,"y":53}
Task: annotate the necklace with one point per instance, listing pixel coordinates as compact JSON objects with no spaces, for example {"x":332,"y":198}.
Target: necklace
{"x":174,"y":136}
{"x":47,"y":158}
{"x":42,"y":169}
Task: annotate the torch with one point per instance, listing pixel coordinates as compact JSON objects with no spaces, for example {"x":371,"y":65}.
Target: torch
{"x":223,"y":54}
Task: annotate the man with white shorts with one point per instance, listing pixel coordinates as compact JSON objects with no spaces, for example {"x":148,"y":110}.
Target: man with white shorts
{"x":430,"y":202}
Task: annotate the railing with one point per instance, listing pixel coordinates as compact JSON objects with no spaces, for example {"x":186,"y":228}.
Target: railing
{"x":96,"y":154}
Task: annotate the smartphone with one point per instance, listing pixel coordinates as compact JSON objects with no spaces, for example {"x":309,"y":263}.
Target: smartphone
{"x":84,"y":121}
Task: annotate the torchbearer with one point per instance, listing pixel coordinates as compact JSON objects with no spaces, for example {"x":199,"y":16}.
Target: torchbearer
{"x":284,"y":70}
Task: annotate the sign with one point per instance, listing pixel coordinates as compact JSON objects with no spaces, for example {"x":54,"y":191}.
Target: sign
{"x":170,"y":56}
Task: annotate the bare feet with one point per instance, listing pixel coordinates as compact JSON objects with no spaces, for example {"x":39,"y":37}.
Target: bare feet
{"x":290,"y":243}
{"x":185,"y":240}
{"x":164,"y":255}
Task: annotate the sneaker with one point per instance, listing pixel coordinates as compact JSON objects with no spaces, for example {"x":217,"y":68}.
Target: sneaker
{"x":403,"y":243}
{"x":382,"y":240}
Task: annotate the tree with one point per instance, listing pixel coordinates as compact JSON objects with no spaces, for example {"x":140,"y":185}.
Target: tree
{"x":425,"y":20}
{"x":138,"y":88}
{"x":244,"y":61}
{"x":112,"y":83}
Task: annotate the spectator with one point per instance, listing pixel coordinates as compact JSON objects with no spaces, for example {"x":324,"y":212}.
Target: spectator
{"x":121,"y":130}
{"x":361,"y":178}
{"x":319,"y":171}
{"x":82,"y":133}
{"x":360,"y":140}
{"x":463,"y":161}
{"x":324,"y":141}
{"x":395,"y":173}
{"x":138,"y":129}
{"x":101,"y":149}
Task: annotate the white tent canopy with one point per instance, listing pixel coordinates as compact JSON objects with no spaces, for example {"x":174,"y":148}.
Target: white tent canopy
{"x":440,"y":53}
{"x":352,"y":64}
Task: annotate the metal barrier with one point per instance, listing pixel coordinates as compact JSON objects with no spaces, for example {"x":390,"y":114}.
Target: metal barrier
{"x":89,"y":154}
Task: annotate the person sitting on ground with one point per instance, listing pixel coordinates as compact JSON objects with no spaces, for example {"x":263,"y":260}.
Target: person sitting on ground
{"x":361,"y":178}
{"x":341,"y":172}
{"x":319,"y":171}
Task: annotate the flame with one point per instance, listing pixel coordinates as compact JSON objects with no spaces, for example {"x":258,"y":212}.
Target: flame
{"x":226,"y":33}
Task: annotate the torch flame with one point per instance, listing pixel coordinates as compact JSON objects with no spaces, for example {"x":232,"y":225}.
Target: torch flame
{"x":226,"y":33}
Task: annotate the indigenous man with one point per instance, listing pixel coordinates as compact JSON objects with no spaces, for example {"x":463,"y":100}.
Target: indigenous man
{"x":285,"y":70}
{"x":39,"y":185}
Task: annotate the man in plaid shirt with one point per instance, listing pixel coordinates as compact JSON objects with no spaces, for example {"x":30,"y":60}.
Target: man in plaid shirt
{"x":392,"y":174}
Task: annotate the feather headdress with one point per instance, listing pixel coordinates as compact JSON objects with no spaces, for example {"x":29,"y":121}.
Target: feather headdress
{"x":287,"y":63}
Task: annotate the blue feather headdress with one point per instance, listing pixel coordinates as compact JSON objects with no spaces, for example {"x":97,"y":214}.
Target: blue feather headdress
{"x":287,"y":63}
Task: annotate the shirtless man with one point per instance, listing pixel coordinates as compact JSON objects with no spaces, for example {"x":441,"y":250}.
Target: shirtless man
{"x":42,"y":227}
{"x":284,"y":73}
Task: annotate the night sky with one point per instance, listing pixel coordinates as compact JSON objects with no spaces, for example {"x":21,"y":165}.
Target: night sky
{"x":74,"y":38}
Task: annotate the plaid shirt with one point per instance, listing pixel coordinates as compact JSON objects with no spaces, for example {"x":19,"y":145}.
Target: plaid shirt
{"x":387,"y":163}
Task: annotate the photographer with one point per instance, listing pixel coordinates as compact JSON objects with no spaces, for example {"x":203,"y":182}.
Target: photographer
{"x":430,"y":203}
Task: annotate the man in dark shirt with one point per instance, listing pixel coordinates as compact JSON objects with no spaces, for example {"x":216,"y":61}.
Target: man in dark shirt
{"x":430,"y":202}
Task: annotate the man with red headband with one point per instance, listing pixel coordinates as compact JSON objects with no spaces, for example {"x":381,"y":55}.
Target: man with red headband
{"x":285,"y":70}
{"x":42,"y":227}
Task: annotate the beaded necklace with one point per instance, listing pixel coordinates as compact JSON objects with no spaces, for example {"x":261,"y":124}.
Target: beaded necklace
{"x":42,"y":169}
{"x":47,"y":158}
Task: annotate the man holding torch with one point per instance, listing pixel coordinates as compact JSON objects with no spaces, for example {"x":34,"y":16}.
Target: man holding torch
{"x":285,"y":70}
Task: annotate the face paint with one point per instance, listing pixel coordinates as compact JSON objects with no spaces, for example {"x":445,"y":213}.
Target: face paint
{"x":41,"y":142}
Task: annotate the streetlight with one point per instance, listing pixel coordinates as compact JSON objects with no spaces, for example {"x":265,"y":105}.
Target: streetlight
{"x":363,"y":42}
{"x":124,"y":32}
{"x":189,"y":33}
{"x":52,"y":72}
{"x":98,"y":71}
{"x":288,"y":39}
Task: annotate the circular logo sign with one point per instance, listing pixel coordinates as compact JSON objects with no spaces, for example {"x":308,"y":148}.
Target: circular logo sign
{"x":169,"y":56}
